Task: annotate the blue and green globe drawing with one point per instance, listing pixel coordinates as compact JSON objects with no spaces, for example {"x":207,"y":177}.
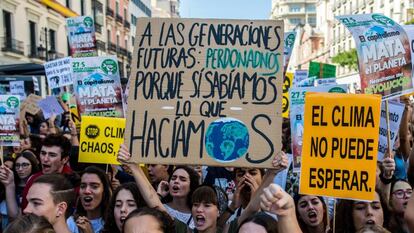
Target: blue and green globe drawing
{"x":227,"y":139}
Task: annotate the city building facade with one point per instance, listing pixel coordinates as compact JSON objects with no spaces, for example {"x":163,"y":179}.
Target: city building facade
{"x":294,"y":12}
{"x":165,"y":8}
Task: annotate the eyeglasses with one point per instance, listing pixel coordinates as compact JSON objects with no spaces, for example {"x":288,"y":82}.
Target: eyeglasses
{"x":400,"y":194}
{"x":22,"y":165}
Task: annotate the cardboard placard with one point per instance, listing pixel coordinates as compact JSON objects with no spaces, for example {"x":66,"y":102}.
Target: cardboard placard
{"x":30,"y":104}
{"x":384,"y":55}
{"x":9,"y":120}
{"x":100,"y":139}
{"x":50,"y":106}
{"x":340,"y":143}
{"x":213,"y":89}
{"x":297,"y":109}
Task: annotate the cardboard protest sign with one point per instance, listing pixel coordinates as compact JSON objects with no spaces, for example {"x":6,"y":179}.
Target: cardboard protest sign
{"x":81,"y":36}
{"x":384,"y":55}
{"x":50,"y":106}
{"x":30,"y":104}
{"x":340,"y":142}
{"x":17,"y":88}
{"x":214,"y":89}
{"x":297,"y":109}
{"x":395,"y":112}
{"x":97,"y":86}
{"x":321,"y":70}
{"x":59,"y":72}
{"x":9,"y":120}
{"x":289,"y":41}
{"x":100,"y":139}
{"x":287,"y":83}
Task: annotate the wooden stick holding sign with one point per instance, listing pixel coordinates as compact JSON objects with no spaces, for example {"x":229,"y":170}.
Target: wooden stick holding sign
{"x":388,"y":130}
{"x":1,"y":155}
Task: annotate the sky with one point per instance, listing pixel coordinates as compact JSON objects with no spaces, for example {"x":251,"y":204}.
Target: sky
{"x":226,"y":9}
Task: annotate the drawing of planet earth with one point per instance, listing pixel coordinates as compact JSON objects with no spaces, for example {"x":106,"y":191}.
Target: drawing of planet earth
{"x":227,"y":139}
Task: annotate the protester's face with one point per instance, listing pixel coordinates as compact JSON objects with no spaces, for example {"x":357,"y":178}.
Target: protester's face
{"x":157,"y":172}
{"x":252,"y":173}
{"x":124,"y":204}
{"x":310,"y":209}
{"x":51,"y":159}
{"x":180,"y":183}
{"x":400,"y":194}
{"x":142,"y":224}
{"x":44,"y":129}
{"x":17,"y":149}
{"x":205,"y":215}
{"x":25,"y":144}
{"x":23,"y":167}
{"x":250,"y":227}
{"x":199,"y":170}
{"x":91,"y":191}
{"x":40,"y":203}
{"x":367,"y":213}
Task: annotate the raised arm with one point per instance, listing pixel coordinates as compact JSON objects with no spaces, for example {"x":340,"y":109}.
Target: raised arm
{"x":7,"y":179}
{"x":279,"y":163}
{"x":147,"y":191}
{"x":278,"y":202}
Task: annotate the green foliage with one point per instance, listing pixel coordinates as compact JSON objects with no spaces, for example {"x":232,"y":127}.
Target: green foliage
{"x":409,"y":22}
{"x":347,"y":59}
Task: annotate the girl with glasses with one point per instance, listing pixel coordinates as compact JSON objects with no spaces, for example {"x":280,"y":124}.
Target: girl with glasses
{"x":401,"y":191}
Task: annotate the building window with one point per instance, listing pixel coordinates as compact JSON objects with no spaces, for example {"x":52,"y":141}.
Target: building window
{"x":294,"y":21}
{"x":108,"y":36}
{"x":294,"y":8}
{"x":392,"y":13}
{"x":7,"y":21}
{"x":117,"y":8}
{"x":312,"y":21}
{"x":32,"y":38}
{"x":133,"y":20}
{"x":68,"y":5}
{"x":133,"y":41}
{"x":126,"y":44}
{"x":52,"y":40}
{"x":125,"y":13}
{"x":117,"y":40}
{"x":310,"y":8}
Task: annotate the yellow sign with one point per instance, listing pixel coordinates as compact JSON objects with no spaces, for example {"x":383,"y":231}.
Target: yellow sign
{"x":340,"y":143}
{"x":287,"y":83}
{"x":100,"y":139}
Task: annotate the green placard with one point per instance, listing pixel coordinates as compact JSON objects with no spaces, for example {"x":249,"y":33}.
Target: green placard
{"x":322,"y":70}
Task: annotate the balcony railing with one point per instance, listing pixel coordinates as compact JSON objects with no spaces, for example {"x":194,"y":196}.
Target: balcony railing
{"x":36,"y":52}
{"x":119,"y":18}
{"x":100,"y":45}
{"x":98,"y":28}
{"x":109,"y":12}
{"x":127,"y":24}
{"x":122,"y":51}
{"x":9,"y":44}
{"x":111,"y":46}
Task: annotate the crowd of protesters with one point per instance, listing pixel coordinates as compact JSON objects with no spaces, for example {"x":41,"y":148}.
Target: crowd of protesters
{"x":45,"y":189}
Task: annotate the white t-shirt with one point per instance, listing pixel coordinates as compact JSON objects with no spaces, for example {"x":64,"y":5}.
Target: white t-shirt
{"x":182,"y":217}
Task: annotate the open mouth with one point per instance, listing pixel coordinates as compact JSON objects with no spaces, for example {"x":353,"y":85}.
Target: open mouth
{"x":312,"y":216}
{"x":45,"y":166}
{"x":87,"y":199}
{"x":122,"y":219}
{"x":175,"y":188}
{"x":370,"y":222}
{"x":200,"y":220}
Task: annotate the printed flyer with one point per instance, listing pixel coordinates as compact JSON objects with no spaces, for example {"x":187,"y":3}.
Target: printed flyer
{"x":97,"y":86}
{"x":297,"y":109}
{"x":81,"y":33}
{"x":9,"y":120}
{"x":384,"y":55}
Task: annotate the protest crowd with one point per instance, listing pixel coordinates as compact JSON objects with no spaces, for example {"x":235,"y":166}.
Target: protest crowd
{"x":106,"y":159}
